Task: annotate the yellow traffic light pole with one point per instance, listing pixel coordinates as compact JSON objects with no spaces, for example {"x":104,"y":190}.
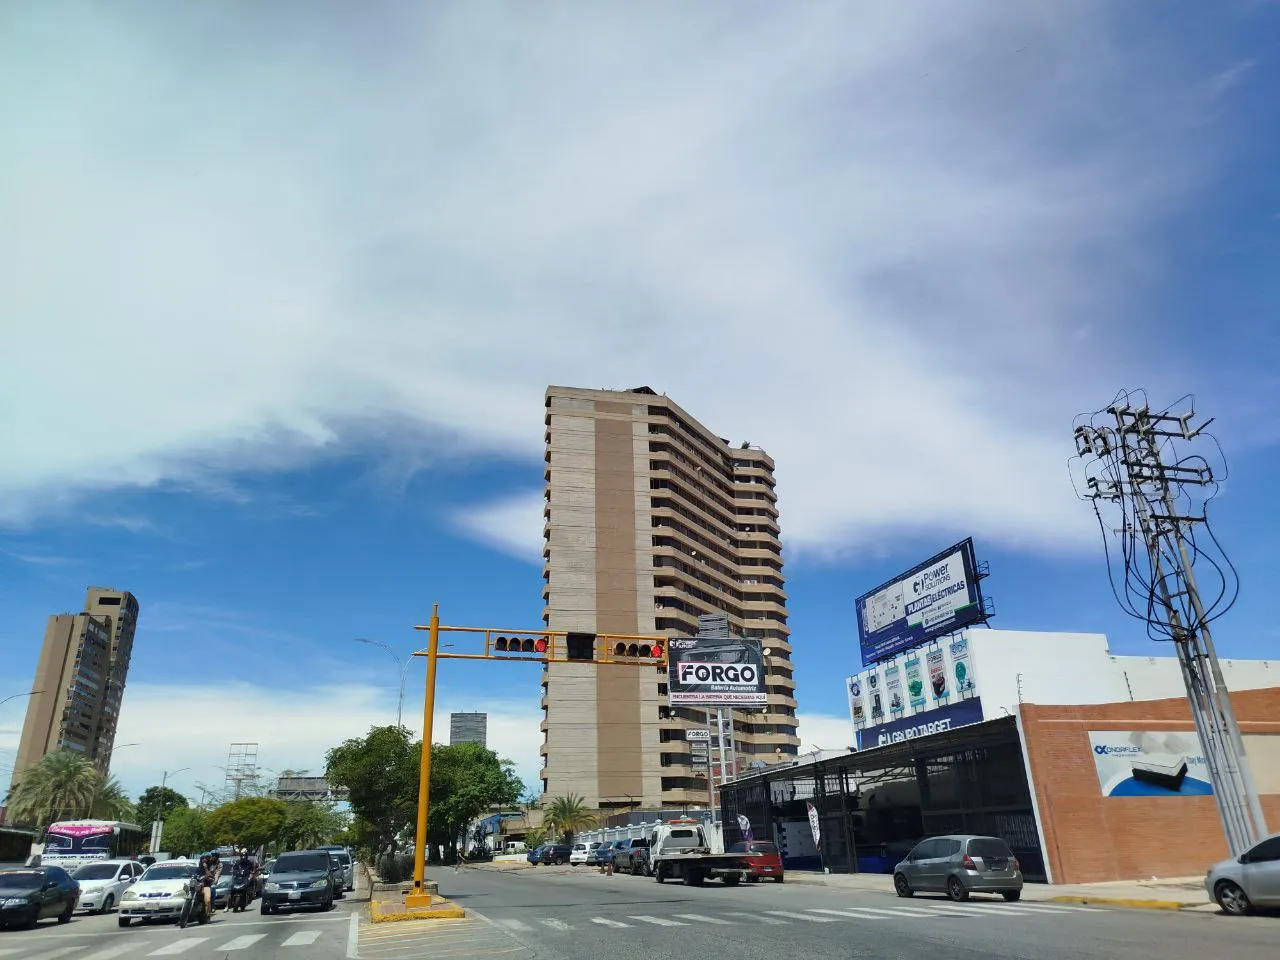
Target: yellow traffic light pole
{"x":619,"y":650}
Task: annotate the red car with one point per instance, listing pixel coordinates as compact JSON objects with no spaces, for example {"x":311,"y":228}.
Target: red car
{"x":766,"y":863}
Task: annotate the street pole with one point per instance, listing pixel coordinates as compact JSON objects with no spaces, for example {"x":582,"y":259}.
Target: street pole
{"x":419,"y":897}
{"x":403,"y":667}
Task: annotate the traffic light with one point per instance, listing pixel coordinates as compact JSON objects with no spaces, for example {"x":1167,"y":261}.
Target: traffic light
{"x":639,"y":651}
{"x":534,"y":645}
{"x":581,"y":646}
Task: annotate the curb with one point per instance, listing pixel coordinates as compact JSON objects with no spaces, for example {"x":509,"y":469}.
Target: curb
{"x":388,"y":912}
{"x":1130,"y":902}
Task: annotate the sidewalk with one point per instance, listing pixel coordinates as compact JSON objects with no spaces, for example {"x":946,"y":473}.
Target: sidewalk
{"x":1173,"y":893}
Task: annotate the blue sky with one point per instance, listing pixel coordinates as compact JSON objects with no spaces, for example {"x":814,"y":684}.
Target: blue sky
{"x":285,"y":292}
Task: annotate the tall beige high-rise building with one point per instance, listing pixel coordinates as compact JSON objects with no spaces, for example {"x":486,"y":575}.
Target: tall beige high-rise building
{"x":651,"y":520}
{"x":80,"y":675}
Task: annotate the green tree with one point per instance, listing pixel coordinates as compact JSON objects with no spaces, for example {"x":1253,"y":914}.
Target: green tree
{"x":186,"y":832}
{"x":250,"y":821}
{"x":380,"y":773}
{"x":156,"y":803}
{"x":110,"y":802}
{"x":308,"y":824}
{"x":569,"y":815}
{"x":61,"y":785}
{"x":466,"y":779}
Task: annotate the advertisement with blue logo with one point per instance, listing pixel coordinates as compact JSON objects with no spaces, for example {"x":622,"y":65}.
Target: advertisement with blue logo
{"x":938,"y":597}
{"x":1145,"y":763}
{"x":925,"y":724}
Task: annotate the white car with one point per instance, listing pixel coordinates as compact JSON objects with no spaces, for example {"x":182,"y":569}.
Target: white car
{"x":158,"y":892}
{"x":103,"y":883}
{"x":1249,"y":881}
{"x":583,"y":853}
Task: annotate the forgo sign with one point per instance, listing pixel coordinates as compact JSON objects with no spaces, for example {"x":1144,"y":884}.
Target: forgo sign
{"x":737,"y":675}
{"x":711,"y":671}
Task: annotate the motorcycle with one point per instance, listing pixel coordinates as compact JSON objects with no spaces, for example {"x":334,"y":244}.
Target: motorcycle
{"x":193,"y":908}
{"x":238,"y":899}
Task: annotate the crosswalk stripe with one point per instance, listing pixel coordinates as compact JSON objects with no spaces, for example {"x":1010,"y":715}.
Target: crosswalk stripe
{"x":700,"y":918}
{"x":852,"y":913}
{"x":802,"y":916}
{"x":606,"y":922}
{"x":177,"y":947}
{"x":557,"y":925}
{"x":660,"y":921}
{"x":303,"y":938}
{"x":762,"y":919}
{"x":900,"y":912}
{"x":239,"y":943}
{"x":51,"y":954}
{"x":977,"y":910}
{"x":111,"y":952}
{"x":959,"y":911}
{"x":1050,"y":907}
{"x":512,"y":924}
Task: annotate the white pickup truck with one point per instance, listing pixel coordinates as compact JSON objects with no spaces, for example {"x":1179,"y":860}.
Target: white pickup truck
{"x":678,"y":850}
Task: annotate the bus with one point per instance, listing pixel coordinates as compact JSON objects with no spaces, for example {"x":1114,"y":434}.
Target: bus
{"x":72,"y":843}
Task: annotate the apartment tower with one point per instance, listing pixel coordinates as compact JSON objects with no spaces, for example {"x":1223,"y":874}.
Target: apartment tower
{"x":650,"y":520}
{"x":80,"y":675}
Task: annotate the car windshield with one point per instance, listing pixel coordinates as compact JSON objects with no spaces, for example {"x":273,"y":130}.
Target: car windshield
{"x":989,"y":848}
{"x":170,"y":871}
{"x":266,"y":867}
{"x":344,"y":858}
{"x":97,"y":871}
{"x":21,"y":880}
{"x":302,"y":863}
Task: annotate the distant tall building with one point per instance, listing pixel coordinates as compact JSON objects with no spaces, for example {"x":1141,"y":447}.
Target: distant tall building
{"x":80,"y":675}
{"x":468,"y":728}
{"x":652,"y":520}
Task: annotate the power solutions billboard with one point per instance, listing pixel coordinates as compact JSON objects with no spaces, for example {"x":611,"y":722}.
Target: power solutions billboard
{"x":937,"y":597}
{"x":713,"y":672}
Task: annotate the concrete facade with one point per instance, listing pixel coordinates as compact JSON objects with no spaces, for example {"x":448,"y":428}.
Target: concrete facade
{"x":468,"y":728}
{"x":81,"y":674}
{"x":650,"y":521}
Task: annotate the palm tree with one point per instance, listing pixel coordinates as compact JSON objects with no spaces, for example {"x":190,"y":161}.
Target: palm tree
{"x":110,"y":802}
{"x":60,"y":784}
{"x":570,"y":815}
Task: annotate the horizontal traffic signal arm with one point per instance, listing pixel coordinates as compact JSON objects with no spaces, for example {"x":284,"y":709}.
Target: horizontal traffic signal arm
{"x":560,"y":646}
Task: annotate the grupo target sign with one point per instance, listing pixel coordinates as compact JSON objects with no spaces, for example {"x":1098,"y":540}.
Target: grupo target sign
{"x":715,"y":672}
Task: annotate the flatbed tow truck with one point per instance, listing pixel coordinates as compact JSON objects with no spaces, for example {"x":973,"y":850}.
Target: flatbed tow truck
{"x":679,"y":850}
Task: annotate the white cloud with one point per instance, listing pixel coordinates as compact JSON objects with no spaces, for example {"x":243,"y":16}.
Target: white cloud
{"x":513,"y":525}
{"x":895,"y":248}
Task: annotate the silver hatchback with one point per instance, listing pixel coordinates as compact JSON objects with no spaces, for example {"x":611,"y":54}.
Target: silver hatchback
{"x":1248,"y":881}
{"x":959,"y":865}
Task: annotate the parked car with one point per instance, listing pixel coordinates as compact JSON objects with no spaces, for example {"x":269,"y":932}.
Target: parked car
{"x":32,"y":894}
{"x":579,"y":855}
{"x":766,"y":864}
{"x":103,"y":883}
{"x":534,"y":856}
{"x":959,"y":865}
{"x":347,"y":864}
{"x":335,"y":870}
{"x":158,"y":893}
{"x":630,"y":856}
{"x":556,"y":853}
{"x":304,"y":878}
{"x":1248,"y":881}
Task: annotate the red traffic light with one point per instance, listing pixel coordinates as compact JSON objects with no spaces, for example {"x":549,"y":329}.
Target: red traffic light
{"x":640,"y":651}
{"x":520,"y":645}
{"x":656,"y":649}
{"x":540,"y":645}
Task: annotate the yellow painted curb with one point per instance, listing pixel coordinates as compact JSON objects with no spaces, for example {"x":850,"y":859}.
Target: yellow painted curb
{"x":390,"y":912}
{"x":1127,"y":902}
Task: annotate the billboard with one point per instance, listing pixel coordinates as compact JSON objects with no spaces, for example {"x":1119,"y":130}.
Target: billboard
{"x":938,"y":597}
{"x":950,"y":717}
{"x":715,"y":672}
{"x":1149,"y":763}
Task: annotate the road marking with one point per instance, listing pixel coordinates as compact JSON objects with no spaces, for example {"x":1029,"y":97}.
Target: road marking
{"x":977,"y":911}
{"x":701,"y":918}
{"x":353,"y":937}
{"x":755,"y":916}
{"x":557,"y":925}
{"x":900,"y":912}
{"x":513,"y":924}
{"x":802,"y":916}
{"x":605,"y":922}
{"x":60,"y":952}
{"x":177,"y":947}
{"x":852,"y":913}
{"x":303,"y":938}
{"x":660,"y":921}
{"x":110,"y":952}
{"x":240,"y":943}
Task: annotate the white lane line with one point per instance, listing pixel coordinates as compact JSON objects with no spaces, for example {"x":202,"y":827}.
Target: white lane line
{"x":802,"y":916}
{"x":177,"y":947}
{"x":701,"y":918}
{"x":59,"y":952}
{"x":110,"y":952}
{"x":900,"y":912}
{"x":660,"y":921}
{"x":851,"y":913}
{"x":513,"y":924}
{"x":978,"y":910}
{"x":605,"y":922}
{"x":759,"y":918}
{"x":303,"y":938}
{"x":353,"y":938}
{"x":557,"y":925}
{"x":240,"y":943}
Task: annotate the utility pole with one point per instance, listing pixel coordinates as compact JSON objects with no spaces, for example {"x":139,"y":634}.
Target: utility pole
{"x":1133,"y":462}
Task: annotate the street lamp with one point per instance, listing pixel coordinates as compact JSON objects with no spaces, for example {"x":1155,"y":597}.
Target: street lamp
{"x":171,"y":773}
{"x":17,"y":695}
{"x":402,"y":667}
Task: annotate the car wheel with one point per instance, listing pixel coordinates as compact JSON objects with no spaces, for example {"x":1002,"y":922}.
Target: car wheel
{"x":956,"y":890}
{"x":559,"y":861}
{"x":65,"y":915}
{"x":779,"y":878}
{"x":657,"y":874}
{"x":1013,"y":895}
{"x":900,"y":886}
{"x":731,"y":879}
{"x":1232,"y":899}
{"x":123,"y":921}
{"x":107,"y":904}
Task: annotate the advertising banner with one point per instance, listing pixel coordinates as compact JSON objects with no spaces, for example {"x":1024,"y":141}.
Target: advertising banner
{"x":1145,"y":763}
{"x":875,"y":694}
{"x":938,"y":597}
{"x":893,"y":688}
{"x":813,"y":822}
{"x":937,"y":675}
{"x":950,"y":717}
{"x":698,"y":733}
{"x":857,"y":707}
{"x":962,"y":666}
{"x":915,"y":684}
{"x":704,"y":671}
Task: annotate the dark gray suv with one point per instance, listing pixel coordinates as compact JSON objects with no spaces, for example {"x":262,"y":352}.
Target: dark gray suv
{"x":304,"y":878}
{"x":959,"y":865}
